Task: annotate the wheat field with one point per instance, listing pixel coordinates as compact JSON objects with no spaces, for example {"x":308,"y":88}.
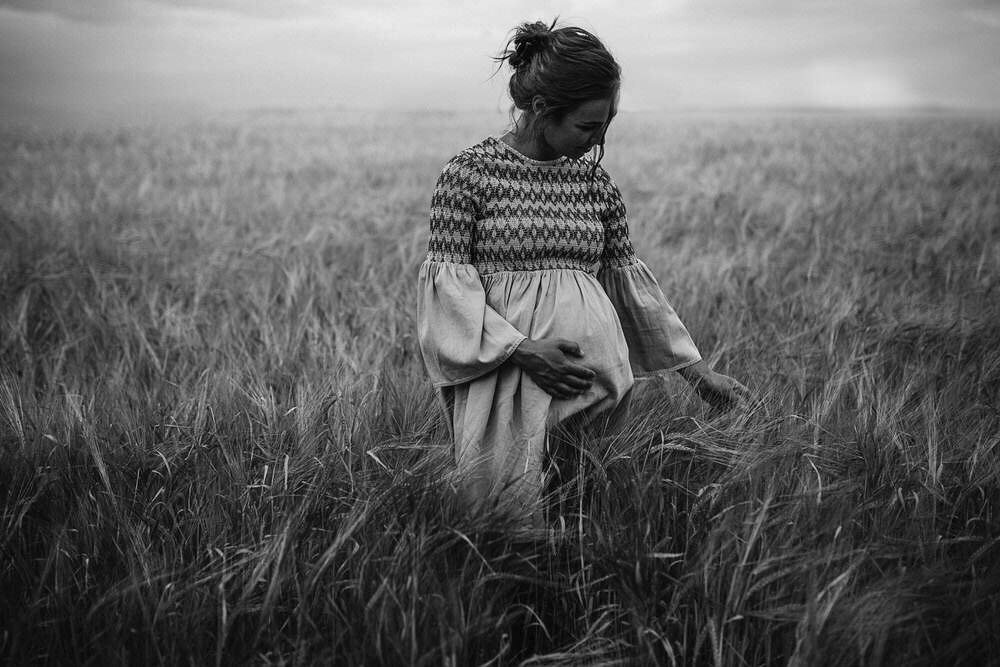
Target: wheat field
{"x":218,"y":444}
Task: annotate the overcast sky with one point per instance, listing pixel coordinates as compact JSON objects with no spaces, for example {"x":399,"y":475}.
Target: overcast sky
{"x":141,"y":59}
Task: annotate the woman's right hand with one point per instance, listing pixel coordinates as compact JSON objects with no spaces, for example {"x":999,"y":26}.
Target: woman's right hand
{"x":550,"y":363}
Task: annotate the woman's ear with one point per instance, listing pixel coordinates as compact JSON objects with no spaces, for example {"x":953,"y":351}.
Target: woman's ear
{"x":538,"y":106}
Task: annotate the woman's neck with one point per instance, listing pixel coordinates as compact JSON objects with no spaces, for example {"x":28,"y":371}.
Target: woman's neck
{"x":527,"y":143}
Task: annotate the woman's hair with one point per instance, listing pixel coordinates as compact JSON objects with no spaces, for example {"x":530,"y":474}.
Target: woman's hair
{"x":564,"y":66}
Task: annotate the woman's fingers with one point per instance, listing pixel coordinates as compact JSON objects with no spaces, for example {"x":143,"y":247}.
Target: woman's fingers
{"x":725,"y":392}
{"x":573,"y":369}
{"x":552,"y":364}
{"x":563,"y":390}
{"x":569,"y":347}
{"x":560,"y":385}
{"x":554,"y":390}
{"x":742,"y":390}
{"x":575,"y":373}
{"x":566,"y":393}
{"x":735,"y":388}
{"x":572,"y":349}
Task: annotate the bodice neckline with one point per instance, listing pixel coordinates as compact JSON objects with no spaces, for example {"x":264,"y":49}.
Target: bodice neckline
{"x":524,"y":158}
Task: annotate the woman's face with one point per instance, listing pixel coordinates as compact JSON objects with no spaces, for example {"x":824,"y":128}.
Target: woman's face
{"x":580,"y":129}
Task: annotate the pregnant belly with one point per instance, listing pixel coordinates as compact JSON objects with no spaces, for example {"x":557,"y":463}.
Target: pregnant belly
{"x":570,"y":304}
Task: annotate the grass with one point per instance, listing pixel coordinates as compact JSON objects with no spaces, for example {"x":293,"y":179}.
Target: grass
{"x":218,"y":445}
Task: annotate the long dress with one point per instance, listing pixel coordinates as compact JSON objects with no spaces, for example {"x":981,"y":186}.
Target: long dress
{"x":526,"y":248}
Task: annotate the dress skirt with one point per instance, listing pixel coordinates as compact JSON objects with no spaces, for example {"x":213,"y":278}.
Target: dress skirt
{"x":500,"y":419}
{"x":470,"y":324}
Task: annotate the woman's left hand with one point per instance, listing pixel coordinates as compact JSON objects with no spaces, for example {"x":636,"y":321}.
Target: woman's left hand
{"x":721,"y":391}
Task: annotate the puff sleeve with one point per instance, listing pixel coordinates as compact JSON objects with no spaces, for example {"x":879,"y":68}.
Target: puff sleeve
{"x":657,"y":339}
{"x":461,"y":336}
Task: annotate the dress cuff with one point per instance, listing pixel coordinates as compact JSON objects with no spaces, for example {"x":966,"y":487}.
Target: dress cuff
{"x":461,"y":336}
{"x":657,"y":339}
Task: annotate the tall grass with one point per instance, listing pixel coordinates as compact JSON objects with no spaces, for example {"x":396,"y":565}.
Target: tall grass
{"x":218,"y":446}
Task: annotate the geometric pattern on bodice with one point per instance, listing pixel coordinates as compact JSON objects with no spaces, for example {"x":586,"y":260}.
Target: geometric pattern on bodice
{"x":499,"y":211}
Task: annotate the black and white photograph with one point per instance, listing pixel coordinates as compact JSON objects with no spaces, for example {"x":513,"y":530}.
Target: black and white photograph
{"x":549,"y":334}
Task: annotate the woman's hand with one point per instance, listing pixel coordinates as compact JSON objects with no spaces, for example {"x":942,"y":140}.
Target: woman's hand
{"x":721,"y":391}
{"x":550,"y":363}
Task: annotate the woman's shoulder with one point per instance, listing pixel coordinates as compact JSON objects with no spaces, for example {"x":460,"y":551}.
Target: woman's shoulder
{"x":471,"y":164}
{"x":478,"y":154}
{"x":472,"y":157}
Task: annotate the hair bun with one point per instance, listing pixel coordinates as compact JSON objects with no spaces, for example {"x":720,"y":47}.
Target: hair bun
{"x":529,"y":40}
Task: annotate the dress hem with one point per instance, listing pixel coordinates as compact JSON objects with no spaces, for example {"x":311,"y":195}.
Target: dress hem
{"x":669,"y":369}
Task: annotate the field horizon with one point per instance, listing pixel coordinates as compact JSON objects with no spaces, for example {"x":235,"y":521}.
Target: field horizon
{"x":218,"y":443}
{"x":47,"y":121}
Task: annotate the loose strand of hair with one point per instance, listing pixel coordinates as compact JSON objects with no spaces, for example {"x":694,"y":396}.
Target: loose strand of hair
{"x":593,"y":170}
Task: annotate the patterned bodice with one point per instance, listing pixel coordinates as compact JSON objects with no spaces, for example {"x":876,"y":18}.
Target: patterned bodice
{"x":501,"y":211}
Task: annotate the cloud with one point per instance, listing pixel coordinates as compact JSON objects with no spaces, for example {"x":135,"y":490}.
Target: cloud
{"x":89,"y":11}
{"x":110,"y":11}
{"x":118,"y":57}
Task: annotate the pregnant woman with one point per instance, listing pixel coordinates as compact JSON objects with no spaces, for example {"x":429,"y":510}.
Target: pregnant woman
{"x":533,"y":306}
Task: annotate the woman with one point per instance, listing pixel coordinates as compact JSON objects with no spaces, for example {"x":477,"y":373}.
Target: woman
{"x":533,"y":306}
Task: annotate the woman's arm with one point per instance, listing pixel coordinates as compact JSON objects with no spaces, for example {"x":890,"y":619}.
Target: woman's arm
{"x":656,"y":337}
{"x":461,"y":336}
